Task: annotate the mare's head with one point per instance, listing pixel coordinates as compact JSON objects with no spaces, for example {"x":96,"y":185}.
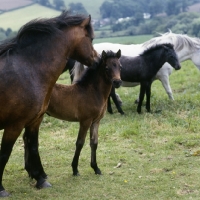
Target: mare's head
{"x":172,"y":58}
{"x":80,"y":29}
{"x":65,"y":35}
{"x":111,"y":66}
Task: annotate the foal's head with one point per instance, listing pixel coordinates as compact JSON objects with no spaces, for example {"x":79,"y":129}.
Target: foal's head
{"x":111,"y":65}
{"x":172,"y":58}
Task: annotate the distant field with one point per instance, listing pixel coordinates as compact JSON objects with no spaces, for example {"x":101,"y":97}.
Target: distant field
{"x":15,"y":19}
{"x":125,"y":39}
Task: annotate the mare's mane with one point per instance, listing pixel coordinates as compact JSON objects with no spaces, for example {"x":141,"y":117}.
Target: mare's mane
{"x":90,"y":74}
{"x":179,"y":41}
{"x":45,"y":29}
{"x":155,"y":47}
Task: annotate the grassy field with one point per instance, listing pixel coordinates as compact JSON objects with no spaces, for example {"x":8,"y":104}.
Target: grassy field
{"x":125,"y":39}
{"x":159,"y":151}
{"x":16,"y":18}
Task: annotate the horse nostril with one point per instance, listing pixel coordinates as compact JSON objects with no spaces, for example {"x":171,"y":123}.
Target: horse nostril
{"x":117,"y":83}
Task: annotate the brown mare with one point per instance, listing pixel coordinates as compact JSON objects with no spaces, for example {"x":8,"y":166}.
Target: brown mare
{"x":86,"y":102}
{"x":30,"y":64}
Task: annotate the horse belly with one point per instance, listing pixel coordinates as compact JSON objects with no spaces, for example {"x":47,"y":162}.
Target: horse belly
{"x":129,"y":84}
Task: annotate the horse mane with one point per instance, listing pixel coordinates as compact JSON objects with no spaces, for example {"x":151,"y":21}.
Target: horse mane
{"x":179,"y":41}
{"x":89,"y":75}
{"x":43,"y":27}
{"x":155,"y":47}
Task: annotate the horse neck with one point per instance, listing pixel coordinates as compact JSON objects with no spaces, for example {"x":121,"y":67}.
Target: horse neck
{"x":99,"y":84}
{"x":185,"y":54}
{"x":156,"y":60}
{"x":56,"y":56}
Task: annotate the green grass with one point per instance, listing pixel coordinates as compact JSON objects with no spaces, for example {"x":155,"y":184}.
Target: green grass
{"x":158,"y":151}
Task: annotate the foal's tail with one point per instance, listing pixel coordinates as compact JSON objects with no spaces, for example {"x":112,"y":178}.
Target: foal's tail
{"x":77,"y":71}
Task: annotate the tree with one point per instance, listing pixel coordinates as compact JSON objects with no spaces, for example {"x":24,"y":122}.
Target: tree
{"x":175,"y":7}
{"x":196,"y":27}
{"x":77,"y":8}
{"x":59,"y":4}
{"x":44,"y":2}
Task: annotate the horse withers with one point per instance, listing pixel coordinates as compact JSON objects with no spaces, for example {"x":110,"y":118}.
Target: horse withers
{"x":30,"y":64}
{"x":143,"y":69}
{"x":85,"y":102}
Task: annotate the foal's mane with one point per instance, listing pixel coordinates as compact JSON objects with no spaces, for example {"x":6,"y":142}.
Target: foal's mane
{"x":178,"y":40}
{"x":45,"y":28}
{"x":90,"y":74}
{"x":155,"y":47}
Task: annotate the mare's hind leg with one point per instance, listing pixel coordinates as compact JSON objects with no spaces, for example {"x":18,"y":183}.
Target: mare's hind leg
{"x":93,"y":144}
{"x":32,"y":159}
{"x":10,"y":135}
{"x":84,"y":126}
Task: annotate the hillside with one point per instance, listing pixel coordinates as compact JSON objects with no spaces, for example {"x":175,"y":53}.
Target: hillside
{"x":21,"y":11}
{"x":16,"y":18}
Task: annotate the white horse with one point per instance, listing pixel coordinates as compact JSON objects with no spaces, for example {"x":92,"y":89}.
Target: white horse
{"x":187,"y":48}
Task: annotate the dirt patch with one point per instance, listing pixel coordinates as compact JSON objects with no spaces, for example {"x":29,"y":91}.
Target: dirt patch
{"x":7,"y":5}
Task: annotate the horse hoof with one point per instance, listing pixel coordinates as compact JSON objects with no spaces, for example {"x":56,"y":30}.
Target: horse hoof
{"x":76,"y":174}
{"x":3,"y":193}
{"x":45,"y":184}
{"x":98,"y":172}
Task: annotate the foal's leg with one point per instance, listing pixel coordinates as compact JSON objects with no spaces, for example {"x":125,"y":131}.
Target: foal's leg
{"x":9,"y":138}
{"x":33,"y":163}
{"x":148,"y":96}
{"x":93,"y":144}
{"x":84,"y":126}
{"x":141,"y":96}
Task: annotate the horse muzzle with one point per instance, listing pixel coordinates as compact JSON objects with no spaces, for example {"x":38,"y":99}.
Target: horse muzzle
{"x":116,"y":83}
{"x":178,"y":67}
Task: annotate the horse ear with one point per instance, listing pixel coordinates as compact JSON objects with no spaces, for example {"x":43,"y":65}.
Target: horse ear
{"x":118,"y":53}
{"x":103,"y":55}
{"x":86,"y":21}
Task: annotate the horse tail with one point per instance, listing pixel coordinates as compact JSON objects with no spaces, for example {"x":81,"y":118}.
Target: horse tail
{"x":77,"y":71}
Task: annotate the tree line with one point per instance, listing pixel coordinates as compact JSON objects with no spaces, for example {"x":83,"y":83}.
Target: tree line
{"x":134,"y":8}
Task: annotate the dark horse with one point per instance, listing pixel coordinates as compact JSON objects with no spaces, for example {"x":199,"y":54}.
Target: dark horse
{"x":86,"y":101}
{"x":30,"y":64}
{"x":69,"y":67}
{"x":143,"y":69}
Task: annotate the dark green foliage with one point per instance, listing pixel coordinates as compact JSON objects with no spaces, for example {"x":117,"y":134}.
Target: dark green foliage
{"x":77,"y":8}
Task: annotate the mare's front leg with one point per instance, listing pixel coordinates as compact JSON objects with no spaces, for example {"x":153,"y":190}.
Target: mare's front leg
{"x":148,"y":95}
{"x":9,"y":138}
{"x":93,"y":144}
{"x":141,"y":96}
{"x":84,"y":126}
{"x":33,"y":163}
